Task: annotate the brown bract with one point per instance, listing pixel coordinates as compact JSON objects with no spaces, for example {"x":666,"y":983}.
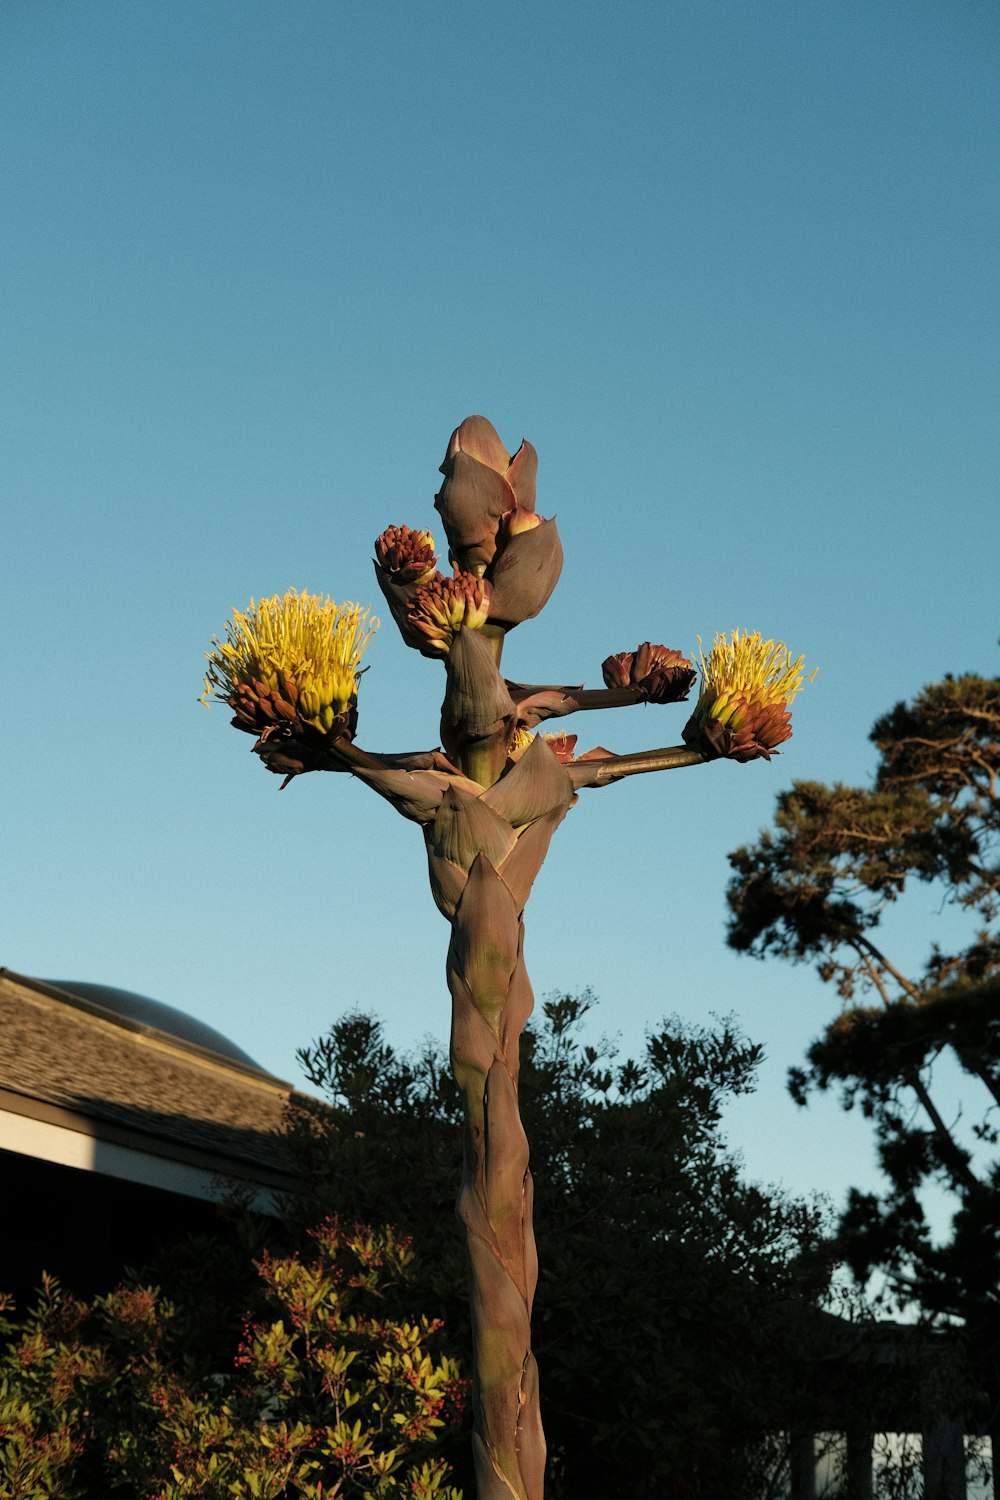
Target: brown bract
{"x":524,"y":573}
{"x":754,"y":732}
{"x":477,"y":705}
{"x":507,"y":825}
{"x":273,"y":712}
{"x":416,"y":795}
{"x":534,"y":785}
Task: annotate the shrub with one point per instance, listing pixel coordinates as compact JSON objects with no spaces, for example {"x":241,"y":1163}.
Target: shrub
{"x":325,"y":1394}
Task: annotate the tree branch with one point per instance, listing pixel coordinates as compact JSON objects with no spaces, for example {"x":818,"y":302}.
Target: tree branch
{"x":880,"y":958}
{"x":952,"y":1154}
{"x":920,"y":999}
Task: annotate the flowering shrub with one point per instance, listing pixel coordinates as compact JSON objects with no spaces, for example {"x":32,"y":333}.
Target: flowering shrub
{"x":325,"y":1395}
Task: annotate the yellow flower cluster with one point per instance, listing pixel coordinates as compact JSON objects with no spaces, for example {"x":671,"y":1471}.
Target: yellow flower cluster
{"x":298,"y":650}
{"x":747,"y":684}
{"x":748,"y":669}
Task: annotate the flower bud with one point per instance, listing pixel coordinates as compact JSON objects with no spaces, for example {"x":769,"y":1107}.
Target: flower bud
{"x":617,"y":670}
{"x":659,"y":673}
{"x":407,"y":556}
{"x":481,"y":485}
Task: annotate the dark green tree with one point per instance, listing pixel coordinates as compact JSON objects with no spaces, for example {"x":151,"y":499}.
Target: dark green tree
{"x":666,"y":1278}
{"x":814,"y":888}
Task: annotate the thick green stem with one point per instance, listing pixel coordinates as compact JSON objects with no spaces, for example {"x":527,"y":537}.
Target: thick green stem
{"x":483,"y":760}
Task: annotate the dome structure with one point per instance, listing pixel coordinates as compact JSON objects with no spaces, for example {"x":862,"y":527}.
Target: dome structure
{"x":154,"y":1015}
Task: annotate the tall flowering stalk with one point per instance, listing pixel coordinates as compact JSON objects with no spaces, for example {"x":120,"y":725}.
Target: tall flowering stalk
{"x":488,"y":801}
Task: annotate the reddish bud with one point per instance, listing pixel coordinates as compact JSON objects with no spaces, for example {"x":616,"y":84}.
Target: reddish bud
{"x":408,"y":556}
{"x":660,"y":674}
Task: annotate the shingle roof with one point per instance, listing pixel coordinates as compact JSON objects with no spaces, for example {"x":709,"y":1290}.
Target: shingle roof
{"x":68,"y":1060}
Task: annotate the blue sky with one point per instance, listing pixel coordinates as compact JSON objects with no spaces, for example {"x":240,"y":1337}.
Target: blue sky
{"x":732,"y":267}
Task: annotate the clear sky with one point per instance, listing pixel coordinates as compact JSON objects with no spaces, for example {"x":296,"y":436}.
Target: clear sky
{"x":731,"y":266}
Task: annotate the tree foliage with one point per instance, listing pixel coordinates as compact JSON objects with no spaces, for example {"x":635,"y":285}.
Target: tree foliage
{"x":815,"y":888}
{"x":661,"y":1323}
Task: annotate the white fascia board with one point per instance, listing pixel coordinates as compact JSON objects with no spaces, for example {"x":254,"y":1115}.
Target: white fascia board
{"x":73,"y":1148}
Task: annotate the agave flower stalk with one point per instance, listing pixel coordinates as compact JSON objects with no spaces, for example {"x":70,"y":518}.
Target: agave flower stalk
{"x":488,"y":802}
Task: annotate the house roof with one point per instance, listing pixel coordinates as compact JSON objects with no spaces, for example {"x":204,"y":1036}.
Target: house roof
{"x":113,"y":1082}
{"x":151,"y":1016}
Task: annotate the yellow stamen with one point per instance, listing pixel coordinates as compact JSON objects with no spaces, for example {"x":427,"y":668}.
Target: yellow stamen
{"x":312,"y":641}
{"x":520,"y":741}
{"x":762,"y":671}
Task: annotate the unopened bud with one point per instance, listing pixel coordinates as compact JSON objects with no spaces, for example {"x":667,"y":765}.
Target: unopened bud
{"x":661,"y":674}
{"x":408,"y":556}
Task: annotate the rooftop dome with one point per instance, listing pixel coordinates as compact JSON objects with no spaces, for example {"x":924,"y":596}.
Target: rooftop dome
{"x":159,"y":1017}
